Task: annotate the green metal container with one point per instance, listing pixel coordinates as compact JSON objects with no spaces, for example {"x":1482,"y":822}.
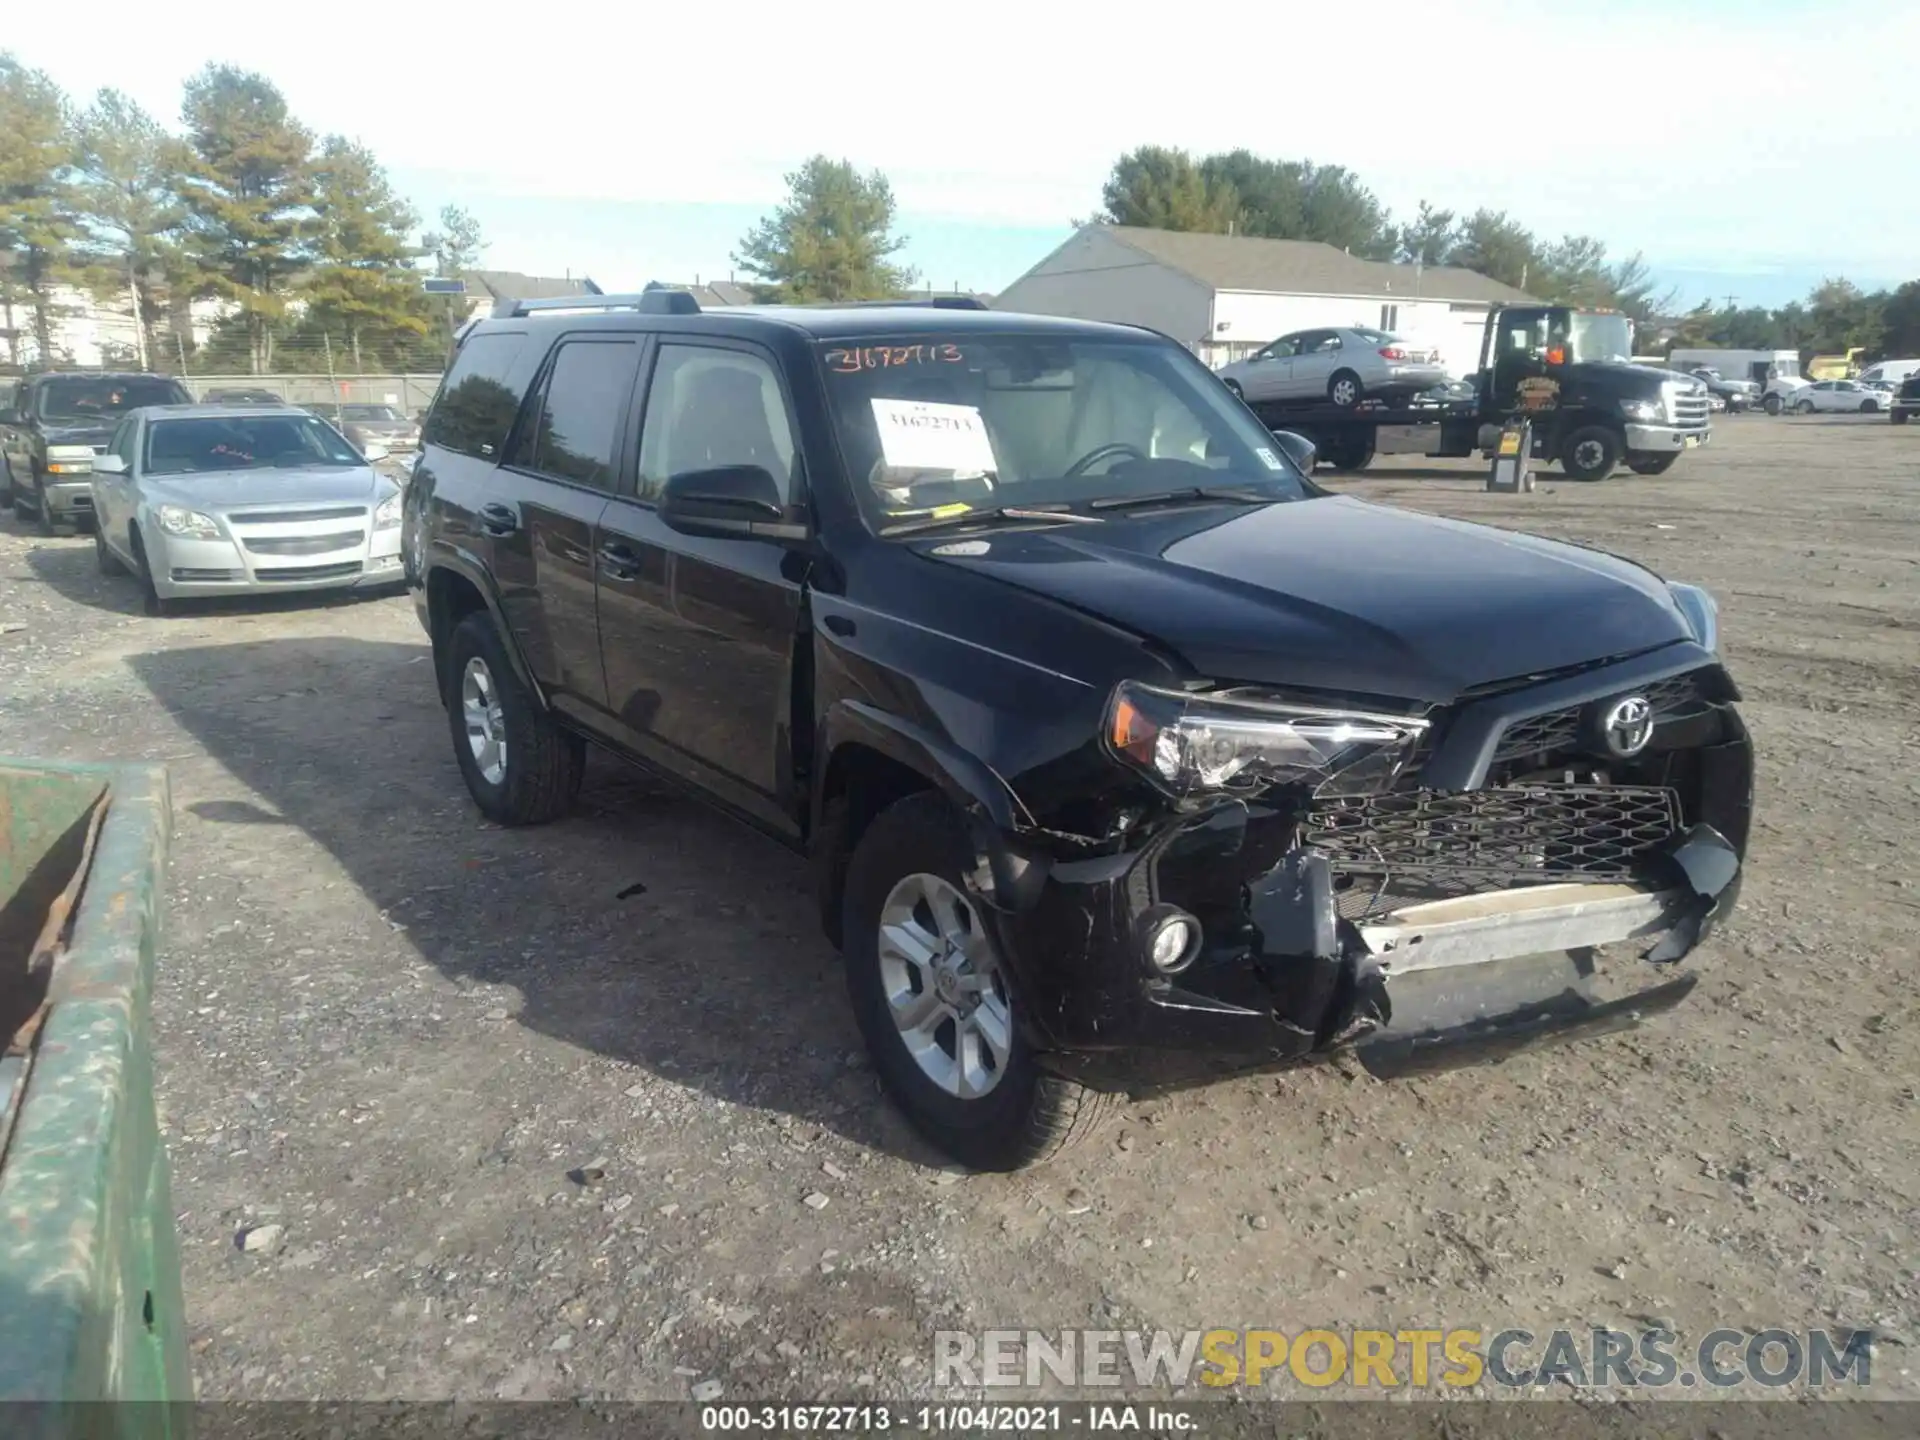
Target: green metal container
{"x":90,"y":1304}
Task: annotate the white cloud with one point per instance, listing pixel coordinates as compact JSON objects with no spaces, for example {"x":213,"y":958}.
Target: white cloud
{"x":1747,"y":134}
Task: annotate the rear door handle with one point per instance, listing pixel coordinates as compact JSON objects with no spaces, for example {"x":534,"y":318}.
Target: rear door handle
{"x":499,"y":519}
{"x":619,"y":560}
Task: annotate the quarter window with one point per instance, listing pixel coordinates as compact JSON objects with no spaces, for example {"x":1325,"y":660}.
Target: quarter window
{"x":575,"y":433}
{"x":476,"y":405}
{"x":707,"y":408}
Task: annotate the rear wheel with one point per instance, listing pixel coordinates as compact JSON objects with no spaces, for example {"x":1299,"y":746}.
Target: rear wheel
{"x":1591,"y":453}
{"x":1238,"y":393}
{"x":937,"y":1006}
{"x":1651,"y":464}
{"x":520,"y":766}
{"x":1343,"y":389}
{"x":1349,"y":455}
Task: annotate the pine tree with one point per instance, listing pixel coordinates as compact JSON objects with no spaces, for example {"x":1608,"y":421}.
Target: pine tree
{"x":363,"y":288}
{"x":37,"y":227}
{"x":830,"y":240}
{"x":249,"y":191}
{"x":128,"y":197}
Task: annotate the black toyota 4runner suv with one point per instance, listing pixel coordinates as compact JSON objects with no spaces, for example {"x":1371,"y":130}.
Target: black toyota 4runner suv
{"x":1125,"y":757}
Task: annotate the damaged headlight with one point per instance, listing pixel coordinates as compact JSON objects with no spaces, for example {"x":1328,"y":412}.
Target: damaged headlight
{"x":1191,"y":743}
{"x":1702,"y":612}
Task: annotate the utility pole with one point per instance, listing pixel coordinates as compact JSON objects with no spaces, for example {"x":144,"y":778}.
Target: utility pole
{"x":1730,"y":299}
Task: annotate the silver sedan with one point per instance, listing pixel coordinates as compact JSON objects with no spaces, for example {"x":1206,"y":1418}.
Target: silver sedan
{"x":1342,"y":365}
{"x":219,"y":500}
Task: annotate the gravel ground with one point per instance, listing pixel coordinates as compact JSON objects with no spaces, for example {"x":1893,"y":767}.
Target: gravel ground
{"x":393,"y":1030}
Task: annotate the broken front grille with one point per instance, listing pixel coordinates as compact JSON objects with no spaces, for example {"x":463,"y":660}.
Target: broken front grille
{"x":1510,"y":835}
{"x":1674,"y":698}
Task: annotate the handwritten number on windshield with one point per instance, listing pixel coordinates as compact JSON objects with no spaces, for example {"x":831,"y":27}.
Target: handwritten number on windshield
{"x":891,"y":357}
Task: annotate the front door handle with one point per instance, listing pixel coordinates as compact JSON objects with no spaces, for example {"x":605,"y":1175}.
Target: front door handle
{"x":620,"y":560}
{"x":499,"y":519}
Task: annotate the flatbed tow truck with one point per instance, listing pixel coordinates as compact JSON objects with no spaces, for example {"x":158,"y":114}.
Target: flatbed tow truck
{"x":1570,"y":372}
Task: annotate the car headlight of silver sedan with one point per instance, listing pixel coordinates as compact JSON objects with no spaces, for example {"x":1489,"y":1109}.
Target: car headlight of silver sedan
{"x":386,"y":515}
{"x":1192,"y":743}
{"x":188,"y":524}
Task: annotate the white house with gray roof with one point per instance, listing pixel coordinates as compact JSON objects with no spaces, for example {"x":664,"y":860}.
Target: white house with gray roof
{"x":1227,"y":295}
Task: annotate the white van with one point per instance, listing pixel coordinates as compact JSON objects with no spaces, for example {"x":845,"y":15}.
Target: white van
{"x":1892,"y":371}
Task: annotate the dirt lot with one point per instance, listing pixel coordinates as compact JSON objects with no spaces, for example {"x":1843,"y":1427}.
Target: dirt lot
{"x":393,"y":1029}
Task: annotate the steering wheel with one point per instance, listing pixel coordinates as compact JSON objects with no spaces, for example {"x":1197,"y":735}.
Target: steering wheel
{"x":1094,"y":456}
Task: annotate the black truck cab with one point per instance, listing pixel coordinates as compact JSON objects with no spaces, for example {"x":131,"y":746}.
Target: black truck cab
{"x":1572,"y":372}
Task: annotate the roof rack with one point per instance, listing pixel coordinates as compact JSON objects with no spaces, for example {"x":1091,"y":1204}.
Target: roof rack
{"x":660,"y":301}
{"x":935,"y":302}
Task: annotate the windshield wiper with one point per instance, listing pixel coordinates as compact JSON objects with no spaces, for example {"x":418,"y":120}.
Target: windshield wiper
{"x":975,"y":517}
{"x":1243,"y":494}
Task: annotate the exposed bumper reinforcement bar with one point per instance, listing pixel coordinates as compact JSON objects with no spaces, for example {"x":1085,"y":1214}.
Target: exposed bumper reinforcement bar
{"x":1474,"y":929}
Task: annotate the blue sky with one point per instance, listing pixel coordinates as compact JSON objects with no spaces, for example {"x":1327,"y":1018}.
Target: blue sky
{"x":1714,"y":137}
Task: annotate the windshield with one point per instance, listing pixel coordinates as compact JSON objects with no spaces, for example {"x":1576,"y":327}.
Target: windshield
{"x":928,"y":423}
{"x":80,"y":400}
{"x":368,"y":412}
{"x":1602,"y":337}
{"x":188,"y":447}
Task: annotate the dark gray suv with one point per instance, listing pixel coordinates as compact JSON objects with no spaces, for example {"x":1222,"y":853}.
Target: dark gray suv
{"x":51,"y":427}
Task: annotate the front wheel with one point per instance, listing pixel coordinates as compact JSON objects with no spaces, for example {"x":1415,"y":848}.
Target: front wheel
{"x":520,"y":766}
{"x":1805,"y":407}
{"x":937,"y":1006}
{"x":108,"y":562}
{"x":1869,"y":407}
{"x":1591,"y":453}
{"x":1651,"y":464}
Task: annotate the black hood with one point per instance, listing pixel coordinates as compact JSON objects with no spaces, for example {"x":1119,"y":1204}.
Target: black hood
{"x":85,"y":433}
{"x":1337,"y":594}
{"x":1621,"y":379}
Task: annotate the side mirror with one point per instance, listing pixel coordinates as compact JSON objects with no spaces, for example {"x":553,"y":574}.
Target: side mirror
{"x":732,"y":502}
{"x":374,"y":451}
{"x":109,"y":465}
{"x":1300,"y":450}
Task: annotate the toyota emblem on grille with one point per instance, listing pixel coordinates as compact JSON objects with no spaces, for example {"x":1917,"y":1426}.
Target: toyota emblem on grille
{"x":1628,"y":726}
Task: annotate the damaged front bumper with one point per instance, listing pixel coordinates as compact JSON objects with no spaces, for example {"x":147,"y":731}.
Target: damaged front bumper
{"x":1288,"y":973}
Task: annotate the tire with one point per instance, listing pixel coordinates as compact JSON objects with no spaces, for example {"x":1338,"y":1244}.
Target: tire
{"x":1019,"y":1114}
{"x":1238,"y":393}
{"x":1351,"y":457}
{"x":108,"y":562}
{"x":1805,"y":407}
{"x":520,"y":766}
{"x":1652,"y":464}
{"x":1344,"y":389}
{"x":1869,"y":407}
{"x":1900,"y":417}
{"x":43,"y":515}
{"x":25,"y":507}
{"x":1591,"y":453}
{"x":1773,"y":404}
{"x":6,"y":482}
{"x":157,"y":604}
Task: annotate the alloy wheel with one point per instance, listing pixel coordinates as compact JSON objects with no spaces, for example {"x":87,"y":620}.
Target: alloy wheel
{"x":1588,"y":454}
{"x":944,"y":986}
{"x":485,"y":719}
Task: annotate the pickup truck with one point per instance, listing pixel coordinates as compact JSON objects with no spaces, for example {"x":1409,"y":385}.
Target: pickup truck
{"x":1123,"y":755}
{"x":51,"y":427}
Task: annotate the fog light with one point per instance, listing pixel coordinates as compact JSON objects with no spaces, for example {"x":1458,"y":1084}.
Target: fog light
{"x":1172,"y":940}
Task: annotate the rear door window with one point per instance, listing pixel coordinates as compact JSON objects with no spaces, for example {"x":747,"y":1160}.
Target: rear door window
{"x":477,"y":402}
{"x":574,"y":432}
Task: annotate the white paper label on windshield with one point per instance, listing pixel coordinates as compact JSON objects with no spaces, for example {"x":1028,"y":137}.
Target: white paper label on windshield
{"x":1269,"y":459}
{"x":922,"y":435}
